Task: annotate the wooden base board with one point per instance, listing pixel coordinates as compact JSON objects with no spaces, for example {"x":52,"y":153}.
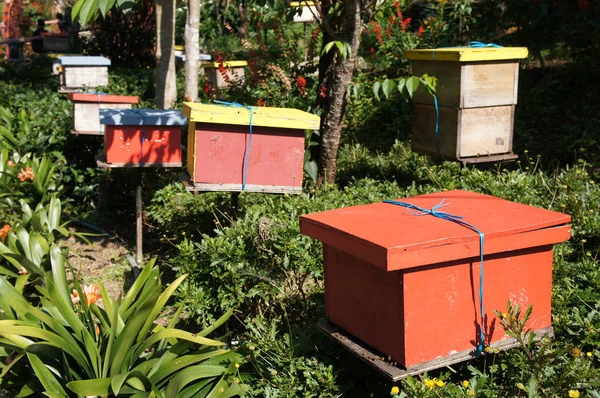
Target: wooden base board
{"x":504,"y":157}
{"x":377,"y":360}
{"x":76,"y":132}
{"x":211,"y":187}
{"x":101,"y":163}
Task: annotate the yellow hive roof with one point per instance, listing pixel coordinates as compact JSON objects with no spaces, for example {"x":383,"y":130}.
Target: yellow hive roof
{"x":262,"y":116}
{"x":467,"y":54}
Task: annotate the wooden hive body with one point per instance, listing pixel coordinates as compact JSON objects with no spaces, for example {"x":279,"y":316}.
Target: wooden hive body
{"x":476,"y":98}
{"x":142,"y":137}
{"x":408,"y":285}
{"x":86,"y":117}
{"x":83,"y":72}
{"x":219,"y":144}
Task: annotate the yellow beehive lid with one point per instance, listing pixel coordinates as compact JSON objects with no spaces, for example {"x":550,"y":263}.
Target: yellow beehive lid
{"x":467,"y":54}
{"x":227,"y":64}
{"x":303,"y":3}
{"x":261,"y":116}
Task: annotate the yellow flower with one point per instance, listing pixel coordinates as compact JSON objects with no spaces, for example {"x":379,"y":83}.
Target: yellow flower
{"x":496,"y":351}
{"x":237,"y":365}
{"x":574,"y":394}
{"x":520,"y":386}
{"x":589,"y":354}
{"x":465,"y":383}
{"x":471,"y":393}
{"x":395,"y":390}
{"x":487,"y":349}
{"x":429,"y":383}
{"x":576,"y":352}
{"x":440,"y":383}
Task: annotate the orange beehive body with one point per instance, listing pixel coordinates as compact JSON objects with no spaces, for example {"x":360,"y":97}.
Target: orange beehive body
{"x":142,"y":137}
{"x":408,"y":284}
{"x":275,"y":159}
{"x":226,"y":154}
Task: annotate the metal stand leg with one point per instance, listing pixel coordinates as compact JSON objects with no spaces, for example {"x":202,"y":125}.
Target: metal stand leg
{"x":139,"y":228}
{"x":234,"y":206}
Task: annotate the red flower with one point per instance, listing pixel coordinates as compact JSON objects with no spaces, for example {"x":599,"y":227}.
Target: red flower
{"x":372,"y":53}
{"x":261,"y":102}
{"x":420,"y":32}
{"x":407,"y":21}
{"x":301,"y":84}
{"x":398,"y":11}
{"x":388,"y":31}
{"x":323,"y":91}
{"x":377,"y":32}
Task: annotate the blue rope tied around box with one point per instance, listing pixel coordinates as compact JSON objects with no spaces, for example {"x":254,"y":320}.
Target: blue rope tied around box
{"x":434,"y":211}
{"x":472,"y":44}
{"x":249,"y":146}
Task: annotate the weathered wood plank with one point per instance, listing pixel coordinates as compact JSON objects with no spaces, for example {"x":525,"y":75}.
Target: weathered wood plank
{"x":210,"y":187}
{"x":423,"y":131}
{"x":101,"y":163}
{"x":488,"y":84}
{"x":86,"y":117}
{"x":448,"y":88}
{"x":485,"y":131}
{"x":377,"y":360}
{"x":84,"y":76}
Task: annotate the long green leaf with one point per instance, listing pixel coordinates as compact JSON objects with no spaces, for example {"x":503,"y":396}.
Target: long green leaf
{"x":99,"y":387}
{"x":192,"y":374}
{"x":59,"y":274}
{"x":175,"y":334}
{"x":136,"y":287}
{"x":127,"y":336}
{"x":158,"y":307}
{"x":177,"y":363}
{"x":48,"y":380}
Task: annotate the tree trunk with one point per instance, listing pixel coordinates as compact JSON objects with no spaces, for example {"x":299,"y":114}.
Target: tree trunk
{"x":166,"y":87}
{"x":243,"y":11}
{"x":192,"y":50}
{"x":339,"y":78}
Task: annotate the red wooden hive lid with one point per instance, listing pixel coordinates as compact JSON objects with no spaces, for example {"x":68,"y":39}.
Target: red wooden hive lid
{"x":392,"y":237}
{"x":103,"y":98}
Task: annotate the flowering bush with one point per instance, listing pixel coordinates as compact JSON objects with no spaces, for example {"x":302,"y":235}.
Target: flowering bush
{"x":116,"y":348}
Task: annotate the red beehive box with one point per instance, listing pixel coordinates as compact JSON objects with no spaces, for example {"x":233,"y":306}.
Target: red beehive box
{"x":86,"y":117}
{"x":222,"y":154}
{"x":142,"y":137}
{"x":408,"y":284}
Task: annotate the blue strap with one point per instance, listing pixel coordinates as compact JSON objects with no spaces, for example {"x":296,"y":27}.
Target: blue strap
{"x":437,"y":125}
{"x":478,"y":44}
{"x":419,"y":211}
{"x":247,"y":152}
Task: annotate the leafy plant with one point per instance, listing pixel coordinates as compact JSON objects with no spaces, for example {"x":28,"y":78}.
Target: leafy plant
{"x":70,"y":346}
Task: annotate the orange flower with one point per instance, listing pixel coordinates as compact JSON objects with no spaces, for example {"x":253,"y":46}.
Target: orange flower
{"x":75,"y":297}
{"x":91,"y":293}
{"x":4,"y":231}
{"x":10,"y":163}
{"x":26,"y":174}
{"x":23,"y":271}
{"x":97,"y":330}
{"x":420,"y":32}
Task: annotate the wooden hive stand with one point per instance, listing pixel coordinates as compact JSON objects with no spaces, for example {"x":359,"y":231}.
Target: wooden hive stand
{"x":472,"y":121}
